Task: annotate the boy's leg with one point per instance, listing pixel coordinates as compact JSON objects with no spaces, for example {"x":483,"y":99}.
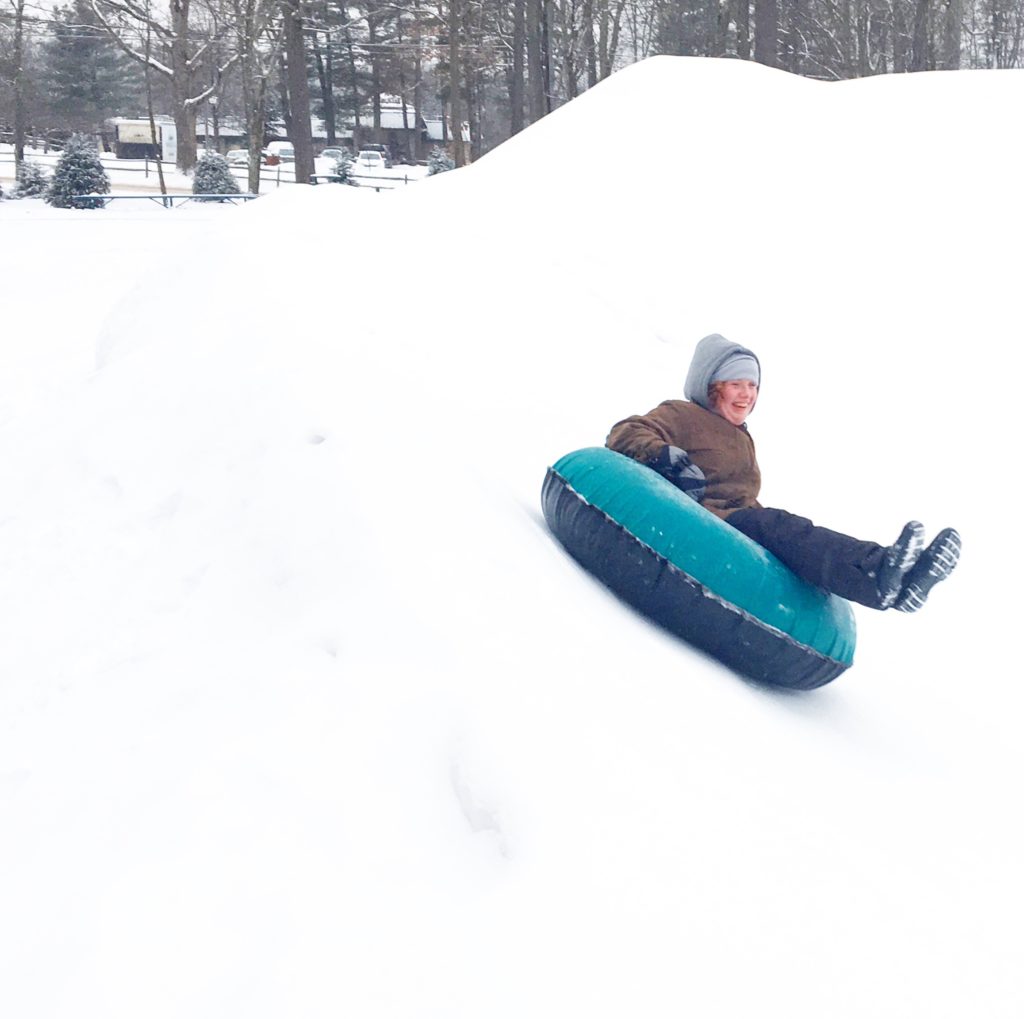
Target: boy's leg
{"x":836,"y":562}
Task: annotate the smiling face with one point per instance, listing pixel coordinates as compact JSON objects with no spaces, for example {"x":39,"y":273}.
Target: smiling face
{"x":734,"y":399}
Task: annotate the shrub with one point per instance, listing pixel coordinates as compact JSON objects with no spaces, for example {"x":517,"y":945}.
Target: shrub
{"x":79,"y":172}
{"x":213,"y":176}
{"x":31,"y":182}
{"x":439,"y":162}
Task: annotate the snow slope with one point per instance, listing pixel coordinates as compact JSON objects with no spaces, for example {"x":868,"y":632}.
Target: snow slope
{"x":304,"y":713}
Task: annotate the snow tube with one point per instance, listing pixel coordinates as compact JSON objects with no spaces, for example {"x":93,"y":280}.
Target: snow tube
{"x":694,"y":574}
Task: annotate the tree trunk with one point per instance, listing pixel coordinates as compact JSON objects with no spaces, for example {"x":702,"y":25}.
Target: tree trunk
{"x":254,"y":117}
{"x":795,"y":48}
{"x":154,"y":137}
{"x":743,"y":29}
{"x":357,"y":126}
{"x":546,"y":33}
{"x":254,"y":96}
{"x":375,"y":84}
{"x":474,"y":113}
{"x":517,"y":85}
{"x":455,"y":80}
{"x":257,"y":49}
{"x":20,"y":127}
{"x":417,"y":89}
{"x":282,"y":94}
{"x":610,"y":24}
{"x":919,"y":52}
{"x":569,"y":47}
{"x":534,"y":53}
{"x":766,"y":32}
{"x":714,"y":42}
{"x":181,"y":86}
{"x":589,"y":45}
{"x":184,"y":122}
{"x":950,"y":59}
{"x":325,"y":75}
{"x":402,"y":84}
{"x":900,"y":50}
{"x":298,"y":91}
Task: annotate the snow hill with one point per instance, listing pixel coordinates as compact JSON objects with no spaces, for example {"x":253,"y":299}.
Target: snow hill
{"x":304,"y":713}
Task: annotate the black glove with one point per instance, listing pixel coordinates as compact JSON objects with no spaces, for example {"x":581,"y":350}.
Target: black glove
{"x":675,"y":464}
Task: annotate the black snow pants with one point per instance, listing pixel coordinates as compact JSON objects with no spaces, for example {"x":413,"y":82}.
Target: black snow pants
{"x":836,"y":562}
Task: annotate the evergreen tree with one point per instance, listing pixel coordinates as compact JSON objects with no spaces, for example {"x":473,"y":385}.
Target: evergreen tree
{"x":79,"y":172}
{"x":439,"y":162}
{"x":88,"y":78}
{"x":343,"y":168}
{"x":32,"y":182}
{"x":213,"y":176}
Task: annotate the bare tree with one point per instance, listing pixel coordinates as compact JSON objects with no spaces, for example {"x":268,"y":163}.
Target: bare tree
{"x":609,"y":26}
{"x":256,"y":38}
{"x":301,"y":129}
{"x":536,"y":92}
{"x":17,"y":78}
{"x":517,"y":84}
{"x":324,"y":60}
{"x":130,"y":21}
{"x":455,"y":80}
{"x":949,"y":45}
{"x":766,"y":32}
{"x":147,"y":72}
{"x":417,"y":100}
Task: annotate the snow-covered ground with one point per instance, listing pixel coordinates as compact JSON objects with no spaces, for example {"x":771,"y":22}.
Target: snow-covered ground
{"x":302,"y":710}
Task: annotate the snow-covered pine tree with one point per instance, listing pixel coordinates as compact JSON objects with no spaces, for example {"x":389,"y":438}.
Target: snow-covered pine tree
{"x":78,"y":172}
{"x":213,"y":176}
{"x":439,"y":162}
{"x":31,"y":182}
{"x":343,"y":168}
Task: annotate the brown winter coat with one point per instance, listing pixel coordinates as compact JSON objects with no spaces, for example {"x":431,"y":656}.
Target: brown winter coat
{"x":723,"y":451}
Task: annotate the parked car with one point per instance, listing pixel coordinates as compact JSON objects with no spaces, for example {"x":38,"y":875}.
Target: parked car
{"x":369,"y":163}
{"x":283,"y":152}
{"x":332,"y":153}
{"x":382,"y":149}
{"x":237,"y":157}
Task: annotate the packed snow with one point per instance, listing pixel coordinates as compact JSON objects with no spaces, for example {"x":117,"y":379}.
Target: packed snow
{"x":304,"y":712}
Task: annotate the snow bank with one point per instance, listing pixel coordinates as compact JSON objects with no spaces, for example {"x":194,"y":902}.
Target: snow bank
{"x":304,"y":711}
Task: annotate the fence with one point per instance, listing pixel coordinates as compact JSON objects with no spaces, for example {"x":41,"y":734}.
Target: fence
{"x":167,"y":201}
{"x":49,"y":160}
{"x":268,"y":174}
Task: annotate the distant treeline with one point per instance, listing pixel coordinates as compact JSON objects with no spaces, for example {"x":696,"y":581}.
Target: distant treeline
{"x":493,"y":65}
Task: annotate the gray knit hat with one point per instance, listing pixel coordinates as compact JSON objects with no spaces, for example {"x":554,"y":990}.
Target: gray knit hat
{"x":738,"y":367}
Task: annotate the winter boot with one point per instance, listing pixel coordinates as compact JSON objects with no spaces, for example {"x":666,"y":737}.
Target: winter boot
{"x":899,"y":558}
{"x":936,"y":563}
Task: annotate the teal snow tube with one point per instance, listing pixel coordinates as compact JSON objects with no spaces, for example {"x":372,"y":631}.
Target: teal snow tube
{"x":694,"y":574}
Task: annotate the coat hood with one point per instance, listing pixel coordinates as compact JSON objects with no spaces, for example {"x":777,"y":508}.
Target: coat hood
{"x":711,"y":353}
